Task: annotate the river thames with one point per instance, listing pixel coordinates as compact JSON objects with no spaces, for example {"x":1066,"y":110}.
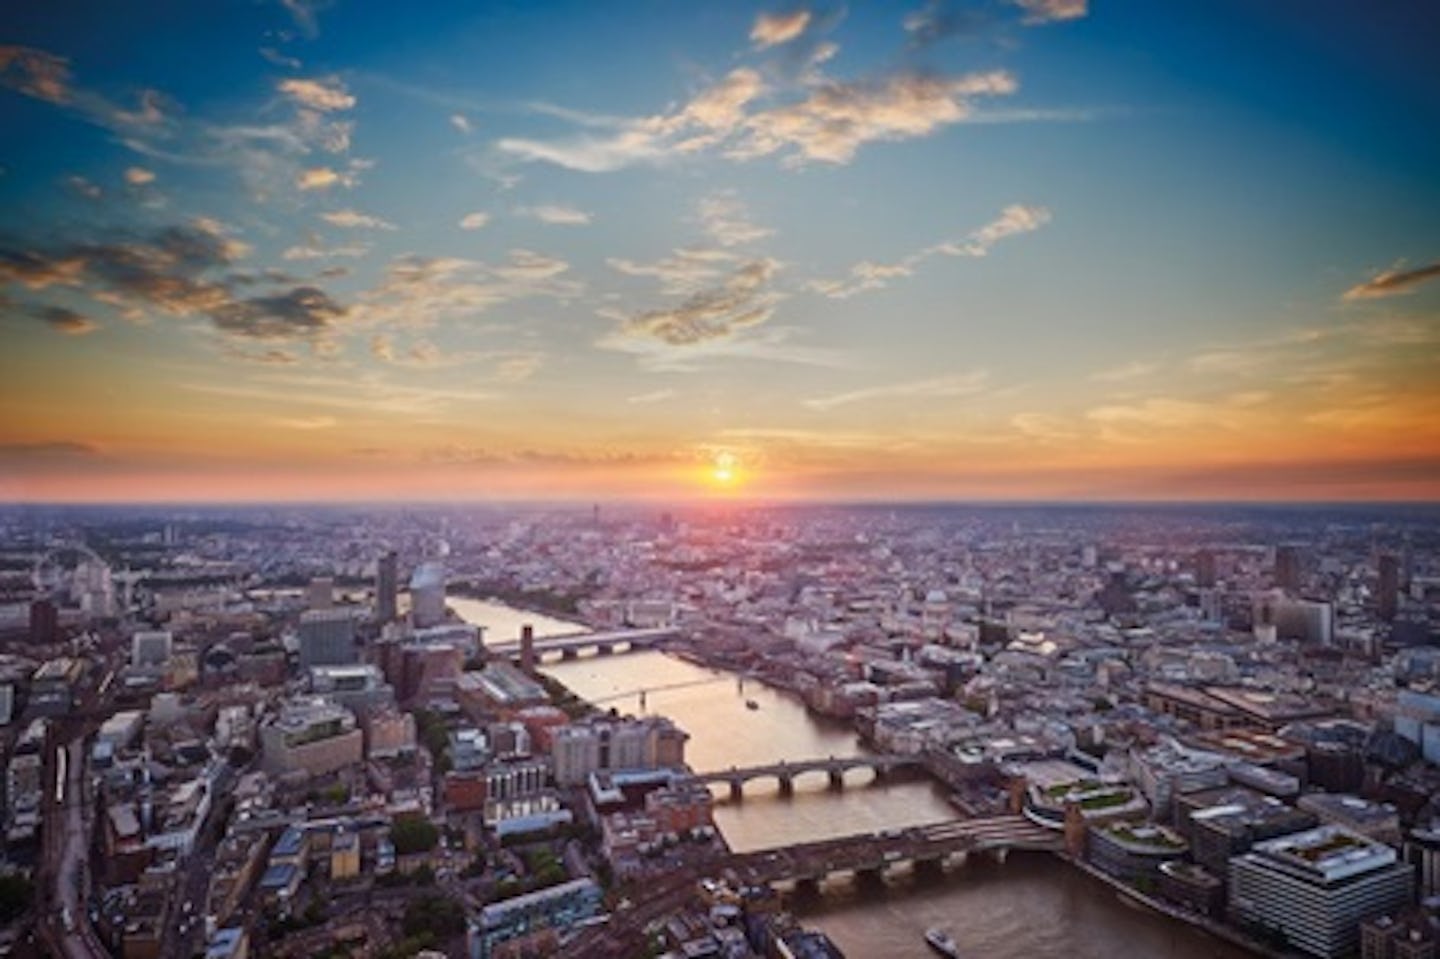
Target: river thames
{"x":1032,"y":905}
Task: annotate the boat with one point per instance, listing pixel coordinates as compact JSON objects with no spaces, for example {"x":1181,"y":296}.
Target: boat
{"x":751,"y":704}
{"x":940,"y":941}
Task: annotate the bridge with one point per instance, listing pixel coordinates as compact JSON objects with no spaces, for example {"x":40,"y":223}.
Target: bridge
{"x":785,"y":773}
{"x":867,"y":857}
{"x":570,"y":645}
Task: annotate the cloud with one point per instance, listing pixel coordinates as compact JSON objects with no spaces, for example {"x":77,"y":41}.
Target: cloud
{"x":772,"y":29}
{"x":1039,"y":12}
{"x":654,"y":396}
{"x":832,"y":123}
{"x":684,"y":271}
{"x":528,"y":265}
{"x":57,"y":448}
{"x":962,"y":384}
{"x":301,"y":312}
{"x":306,"y":422}
{"x":1129,"y":371}
{"x":316,"y":252}
{"x":280,"y":59}
{"x":724,"y":218}
{"x":419,"y":291}
{"x":1393,"y":282}
{"x":739,"y":302}
{"x":325,"y":94}
{"x":305,"y":14}
{"x":85,"y":188}
{"x":178,"y":271}
{"x":355,"y":220}
{"x":519,"y":367}
{"x":462,"y":123}
{"x":866,"y":275}
{"x":939,"y":20}
{"x":323,"y":178}
{"x":828,"y":122}
{"x":474,"y":221}
{"x":555,"y":215}
{"x":139,"y":176}
{"x":36,"y":73}
{"x":67,"y":321}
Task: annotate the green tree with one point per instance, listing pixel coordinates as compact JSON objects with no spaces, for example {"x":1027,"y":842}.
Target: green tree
{"x":412,"y":834}
{"x":16,"y":892}
{"x":440,"y":915}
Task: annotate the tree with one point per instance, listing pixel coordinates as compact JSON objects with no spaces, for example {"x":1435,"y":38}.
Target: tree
{"x":412,"y":834}
{"x":440,"y":915}
{"x":15,"y":895}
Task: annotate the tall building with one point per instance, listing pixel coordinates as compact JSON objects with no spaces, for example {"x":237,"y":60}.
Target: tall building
{"x":527,"y":649}
{"x":1316,"y":887}
{"x":151,"y":647}
{"x":387,"y":587}
{"x":612,"y":745}
{"x":327,"y":638}
{"x":1205,"y":569}
{"x":1387,"y":600}
{"x":44,"y":622}
{"x":1288,"y":568}
{"x":427,"y":595}
{"x":320,"y":594}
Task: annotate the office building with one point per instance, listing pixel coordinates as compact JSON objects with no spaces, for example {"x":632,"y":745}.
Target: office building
{"x":1387,"y":599}
{"x":1288,"y":571}
{"x":310,"y":734}
{"x":533,"y":915}
{"x":359,"y":687}
{"x":387,"y":587}
{"x":1205,"y":569}
{"x":1417,"y":718}
{"x":151,"y":648}
{"x":427,"y":595}
{"x":327,"y":638}
{"x":320,"y":594}
{"x":610,"y":745}
{"x":1314,"y":888}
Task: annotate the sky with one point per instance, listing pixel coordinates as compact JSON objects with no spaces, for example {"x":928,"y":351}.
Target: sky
{"x":987,"y":250}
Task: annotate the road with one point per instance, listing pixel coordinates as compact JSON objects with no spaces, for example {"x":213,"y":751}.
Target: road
{"x":68,"y":845}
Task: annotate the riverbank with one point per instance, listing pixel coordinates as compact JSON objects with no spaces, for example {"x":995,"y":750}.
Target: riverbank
{"x":1176,"y":913}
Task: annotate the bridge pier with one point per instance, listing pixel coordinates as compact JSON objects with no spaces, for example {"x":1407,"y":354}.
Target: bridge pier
{"x":787,"y":785}
{"x":569,"y":652}
{"x":929,"y":867}
{"x":871,"y":876}
{"x":807,"y":886}
{"x":737,"y":790}
{"x":837,"y":779}
{"x":605,"y":649}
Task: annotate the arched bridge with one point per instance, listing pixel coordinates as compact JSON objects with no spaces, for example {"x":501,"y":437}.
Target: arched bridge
{"x":930,"y":847}
{"x":570,"y":646}
{"x":784,"y":773}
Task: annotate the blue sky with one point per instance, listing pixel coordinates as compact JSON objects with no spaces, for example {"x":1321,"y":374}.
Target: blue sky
{"x":1006,"y":248}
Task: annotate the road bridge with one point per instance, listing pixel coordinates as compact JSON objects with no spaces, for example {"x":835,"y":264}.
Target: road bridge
{"x":785,"y":772}
{"x":931,"y":847}
{"x":570,"y":646}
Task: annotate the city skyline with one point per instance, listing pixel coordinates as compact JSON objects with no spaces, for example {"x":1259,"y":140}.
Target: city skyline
{"x":1025,"y":249}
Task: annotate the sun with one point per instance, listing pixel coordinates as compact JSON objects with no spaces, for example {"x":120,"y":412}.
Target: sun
{"x":724,"y":470}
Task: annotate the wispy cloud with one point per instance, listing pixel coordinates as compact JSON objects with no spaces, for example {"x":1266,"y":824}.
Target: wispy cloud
{"x":866,"y":275}
{"x":772,"y":29}
{"x":726,"y":220}
{"x":1125,"y":372}
{"x":474,"y":221}
{"x":355,"y":220}
{"x":961,"y":384}
{"x":139,"y":176}
{"x":742,"y":300}
{"x":64,"y":320}
{"x":555,"y":214}
{"x":1393,"y":282}
{"x":1039,"y":12}
{"x":326,"y":94}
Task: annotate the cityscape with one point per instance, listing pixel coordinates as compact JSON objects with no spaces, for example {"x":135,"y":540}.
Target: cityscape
{"x":720,"y":480}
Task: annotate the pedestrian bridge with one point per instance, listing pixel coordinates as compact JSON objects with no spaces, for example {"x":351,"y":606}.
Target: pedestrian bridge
{"x":786,"y":772}
{"x":571,"y":645}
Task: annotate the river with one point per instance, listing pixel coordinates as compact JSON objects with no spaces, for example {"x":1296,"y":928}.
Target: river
{"x":1032,"y":905}
{"x":502,"y":623}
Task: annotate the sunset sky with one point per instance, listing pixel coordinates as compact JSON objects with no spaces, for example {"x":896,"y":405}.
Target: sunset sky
{"x":1005,"y":249}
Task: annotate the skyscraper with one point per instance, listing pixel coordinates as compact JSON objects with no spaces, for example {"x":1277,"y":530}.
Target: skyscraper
{"x":427,"y":595}
{"x":327,"y":638}
{"x":1205,"y":573}
{"x":1387,"y":599}
{"x":1287,"y":568}
{"x":387,"y":587}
